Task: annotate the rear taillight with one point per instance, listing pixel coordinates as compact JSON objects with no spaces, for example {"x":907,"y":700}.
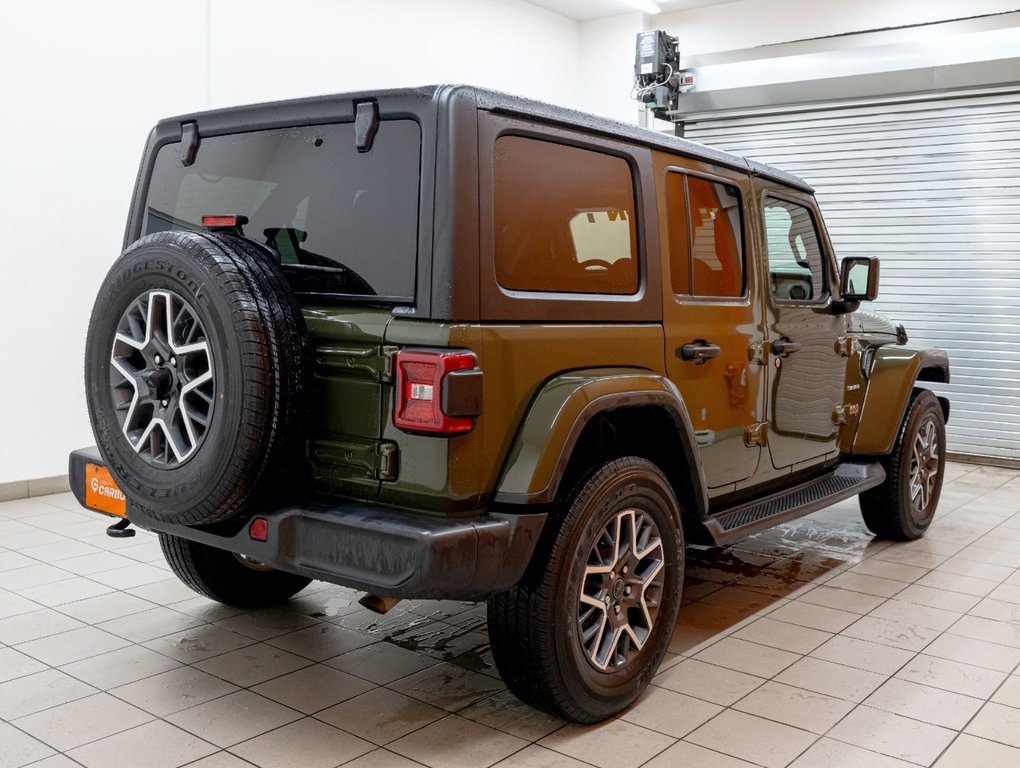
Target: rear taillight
{"x":436,"y":392}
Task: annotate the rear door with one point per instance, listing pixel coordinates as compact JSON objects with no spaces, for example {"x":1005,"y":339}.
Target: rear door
{"x":805,"y":335}
{"x":713,"y":322}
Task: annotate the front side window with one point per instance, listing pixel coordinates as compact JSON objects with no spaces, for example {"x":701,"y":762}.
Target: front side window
{"x":796,"y":262}
{"x":706,"y":249}
{"x":563,"y":219}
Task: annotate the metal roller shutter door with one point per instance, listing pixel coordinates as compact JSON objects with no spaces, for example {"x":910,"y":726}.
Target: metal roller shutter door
{"x":932,"y":186}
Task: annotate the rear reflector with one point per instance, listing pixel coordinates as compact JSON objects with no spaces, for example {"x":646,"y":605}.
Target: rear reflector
{"x":230,"y":221}
{"x":259,"y":529}
{"x":420,"y":381}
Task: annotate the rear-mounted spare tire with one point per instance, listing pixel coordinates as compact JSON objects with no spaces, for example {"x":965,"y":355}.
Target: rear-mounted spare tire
{"x":196,"y":374}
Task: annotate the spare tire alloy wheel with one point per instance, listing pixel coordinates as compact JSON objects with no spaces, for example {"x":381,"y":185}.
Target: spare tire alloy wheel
{"x":162,"y":379}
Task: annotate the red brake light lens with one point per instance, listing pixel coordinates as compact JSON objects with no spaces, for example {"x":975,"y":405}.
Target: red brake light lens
{"x":259,"y":529}
{"x":418,"y":405}
{"x":216,"y":222}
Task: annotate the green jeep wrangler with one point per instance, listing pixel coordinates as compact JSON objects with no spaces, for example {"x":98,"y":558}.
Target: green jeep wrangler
{"x":450,"y":343}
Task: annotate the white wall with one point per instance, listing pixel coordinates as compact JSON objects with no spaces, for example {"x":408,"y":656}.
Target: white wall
{"x":82,"y":84}
{"x":607,"y":65}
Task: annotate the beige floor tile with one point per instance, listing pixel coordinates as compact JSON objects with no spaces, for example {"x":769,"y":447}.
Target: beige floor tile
{"x":861,"y":654}
{"x":203,"y":608}
{"x":831,"y":679}
{"x":669,"y":712}
{"x":234,"y":718}
{"x":87,"y":564}
{"x":173,"y":691}
{"x":747,"y":737}
{"x":267,"y":623}
{"x":321,"y":641}
{"x":120,"y":667}
{"x":1009,"y":692}
{"x":447,"y":686}
{"x":505,"y":712}
{"x":61,"y":592}
{"x":707,"y":682}
{"x":14,"y":664}
{"x":800,"y":708}
{"x":13,"y":605}
{"x":997,"y":722}
{"x":73,"y":645}
{"x":977,"y":652}
{"x":910,"y":637}
{"x":827,"y":753}
{"x":840,"y":600}
{"x":887,"y":569}
{"x":612,"y":744}
{"x":252,"y":664}
{"x":454,"y":742}
{"x":869,"y":585}
{"x":134,"y":575}
{"x":42,"y":690}
{"x":94,"y":610}
{"x":997,"y":610}
{"x":929,"y":705}
{"x":683,"y":754}
{"x":951,"y":676}
{"x":165,"y":592}
{"x":381,"y":663}
{"x":984,"y":629}
{"x":926,"y":560}
{"x":991,"y":556}
{"x":305,"y":743}
{"x":383,"y":758}
{"x":381,"y":715}
{"x":150,"y":624}
{"x":920,"y":615}
{"x":154,"y":745}
{"x":79,"y":722}
{"x":938,"y":598}
{"x":951,"y":582}
{"x":1009,"y":593}
{"x":199,"y":643}
{"x":33,"y":625}
{"x":817,"y":617}
{"x":313,"y":688}
{"x":970,"y":752}
{"x":532,"y":756}
{"x":38,"y":573}
{"x":893,"y":735}
{"x":750,"y":658}
{"x":962,"y":566}
{"x":781,"y":635}
{"x":18,"y":749}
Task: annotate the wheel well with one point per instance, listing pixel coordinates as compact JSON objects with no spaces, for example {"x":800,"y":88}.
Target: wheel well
{"x":649,"y":432}
{"x":934,"y":373}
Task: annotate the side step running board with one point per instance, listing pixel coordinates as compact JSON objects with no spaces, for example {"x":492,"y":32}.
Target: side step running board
{"x":844,"y":481}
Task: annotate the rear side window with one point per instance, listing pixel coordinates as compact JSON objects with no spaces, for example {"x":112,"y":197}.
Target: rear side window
{"x":706,"y":248}
{"x":563,"y":219}
{"x":343,"y":222}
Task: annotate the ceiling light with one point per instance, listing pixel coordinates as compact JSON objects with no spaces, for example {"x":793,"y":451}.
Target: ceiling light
{"x":644,"y":5}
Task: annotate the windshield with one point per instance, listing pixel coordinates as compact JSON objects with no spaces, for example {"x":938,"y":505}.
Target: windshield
{"x":343,"y":222}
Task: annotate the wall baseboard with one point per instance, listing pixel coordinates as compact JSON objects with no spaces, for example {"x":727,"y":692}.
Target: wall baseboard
{"x":40,"y":486}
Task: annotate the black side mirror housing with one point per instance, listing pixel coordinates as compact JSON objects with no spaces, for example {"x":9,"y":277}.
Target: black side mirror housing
{"x":858,"y":278}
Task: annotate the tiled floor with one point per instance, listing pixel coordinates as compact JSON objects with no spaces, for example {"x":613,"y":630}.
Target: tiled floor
{"x":811,"y":645}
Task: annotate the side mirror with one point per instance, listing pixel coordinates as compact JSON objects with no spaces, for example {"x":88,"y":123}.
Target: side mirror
{"x":858,"y":278}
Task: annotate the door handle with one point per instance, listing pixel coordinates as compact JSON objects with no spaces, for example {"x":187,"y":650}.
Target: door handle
{"x":784,"y":347}
{"x":699,"y":351}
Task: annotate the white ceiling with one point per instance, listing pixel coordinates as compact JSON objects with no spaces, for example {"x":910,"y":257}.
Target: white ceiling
{"x":584,"y":10}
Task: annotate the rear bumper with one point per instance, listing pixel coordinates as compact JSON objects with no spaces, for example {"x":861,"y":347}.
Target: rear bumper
{"x":382,"y":550}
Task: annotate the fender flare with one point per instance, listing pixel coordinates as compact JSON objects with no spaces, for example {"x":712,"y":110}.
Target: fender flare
{"x":542,"y":448}
{"x":891,"y":379}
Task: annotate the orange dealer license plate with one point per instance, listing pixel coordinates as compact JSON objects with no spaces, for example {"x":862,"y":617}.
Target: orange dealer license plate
{"x":102,"y":493}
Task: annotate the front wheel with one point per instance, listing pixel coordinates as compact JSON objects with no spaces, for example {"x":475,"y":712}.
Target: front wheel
{"x":903,"y":506}
{"x":228,"y":578}
{"x":587,"y":626}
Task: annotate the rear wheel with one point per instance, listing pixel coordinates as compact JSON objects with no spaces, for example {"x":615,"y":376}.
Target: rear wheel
{"x":904,"y":505}
{"x":584,"y":631}
{"x":226,"y":577}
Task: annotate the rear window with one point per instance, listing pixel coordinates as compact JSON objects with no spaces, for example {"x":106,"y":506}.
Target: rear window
{"x":343,"y":222}
{"x":564,"y":219}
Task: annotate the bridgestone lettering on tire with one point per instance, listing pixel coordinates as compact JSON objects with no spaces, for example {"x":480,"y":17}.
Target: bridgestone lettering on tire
{"x":585,"y":629}
{"x":196,"y":369}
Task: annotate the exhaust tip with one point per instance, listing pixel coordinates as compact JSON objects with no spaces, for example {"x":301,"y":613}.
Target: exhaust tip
{"x":378,"y":604}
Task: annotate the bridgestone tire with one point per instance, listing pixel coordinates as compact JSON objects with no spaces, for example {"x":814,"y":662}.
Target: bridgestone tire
{"x":260,"y":361}
{"x":889,"y":510}
{"x":535,"y":630}
{"x":225,"y":578}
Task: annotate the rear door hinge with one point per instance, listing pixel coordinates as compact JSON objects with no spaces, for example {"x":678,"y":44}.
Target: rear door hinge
{"x":757,"y":434}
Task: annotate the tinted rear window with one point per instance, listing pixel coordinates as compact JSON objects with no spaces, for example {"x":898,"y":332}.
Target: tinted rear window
{"x":342,"y":221}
